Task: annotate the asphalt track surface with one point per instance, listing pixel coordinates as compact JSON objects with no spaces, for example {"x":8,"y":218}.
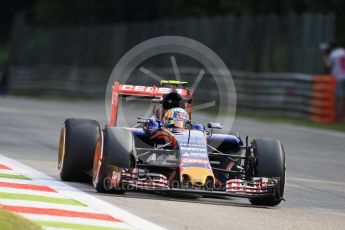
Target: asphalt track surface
{"x":315,"y":189}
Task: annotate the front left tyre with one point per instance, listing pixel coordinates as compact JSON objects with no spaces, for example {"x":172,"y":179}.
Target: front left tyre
{"x":78,"y":139}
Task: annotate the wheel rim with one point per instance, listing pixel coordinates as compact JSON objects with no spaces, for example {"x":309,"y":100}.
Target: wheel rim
{"x":97,"y":161}
{"x":61,"y":154}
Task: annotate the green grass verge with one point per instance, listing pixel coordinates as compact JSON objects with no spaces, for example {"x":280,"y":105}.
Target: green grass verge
{"x":10,"y":221}
{"x":338,"y":126}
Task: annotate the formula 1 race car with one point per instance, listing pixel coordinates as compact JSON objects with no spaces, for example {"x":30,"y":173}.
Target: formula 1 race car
{"x":168,"y":153}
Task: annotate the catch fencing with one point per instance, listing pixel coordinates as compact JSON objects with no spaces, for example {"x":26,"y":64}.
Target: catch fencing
{"x":288,"y":43}
{"x":302,"y":96}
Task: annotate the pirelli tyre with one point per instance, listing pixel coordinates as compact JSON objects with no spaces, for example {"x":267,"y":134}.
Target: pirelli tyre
{"x":76,"y":149}
{"x":270,"y":162}
{"x":115,"y":151}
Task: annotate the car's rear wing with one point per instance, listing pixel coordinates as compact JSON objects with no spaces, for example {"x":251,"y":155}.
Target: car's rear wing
{"x":142,"y":91}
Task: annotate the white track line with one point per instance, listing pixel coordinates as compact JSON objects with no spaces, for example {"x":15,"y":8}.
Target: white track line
{"x":52,"y":228}
{"x":73,"y":193}
{"x":17,"y":181}
{"x":7,"y":171}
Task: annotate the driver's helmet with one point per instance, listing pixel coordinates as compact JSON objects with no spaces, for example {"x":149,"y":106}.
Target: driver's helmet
{"x":176,"y":117}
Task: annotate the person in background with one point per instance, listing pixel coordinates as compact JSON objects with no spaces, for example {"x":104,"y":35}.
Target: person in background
{"x":335,"y":61}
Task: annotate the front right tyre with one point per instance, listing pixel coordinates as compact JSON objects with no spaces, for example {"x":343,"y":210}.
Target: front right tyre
{"x":270,"y":162}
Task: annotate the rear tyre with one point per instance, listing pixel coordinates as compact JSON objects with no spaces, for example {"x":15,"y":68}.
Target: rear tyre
{"x":77,"y":145}
{"x":115,"y":151}
{"x":270,"y":163}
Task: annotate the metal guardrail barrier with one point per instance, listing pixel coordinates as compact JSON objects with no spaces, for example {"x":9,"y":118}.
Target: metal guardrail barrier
{"x":293,"y":95}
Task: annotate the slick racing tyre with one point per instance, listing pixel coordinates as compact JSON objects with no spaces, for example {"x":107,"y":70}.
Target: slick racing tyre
{"x":115,"y":151}
{"x":77,"y":145}
{"x":270,"y":163}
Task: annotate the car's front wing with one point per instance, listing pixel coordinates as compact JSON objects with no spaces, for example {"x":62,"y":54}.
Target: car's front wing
{"x":257,"y":187}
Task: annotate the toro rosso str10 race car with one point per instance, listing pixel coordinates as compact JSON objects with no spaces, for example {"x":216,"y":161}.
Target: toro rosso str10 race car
{"x":169,"y":153}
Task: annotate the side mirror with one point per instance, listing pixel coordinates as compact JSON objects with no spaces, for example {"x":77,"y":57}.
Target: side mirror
{"x":214,"y":125}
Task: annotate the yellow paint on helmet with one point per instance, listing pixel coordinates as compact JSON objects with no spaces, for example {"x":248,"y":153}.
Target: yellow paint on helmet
{"x":173,"y":82}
